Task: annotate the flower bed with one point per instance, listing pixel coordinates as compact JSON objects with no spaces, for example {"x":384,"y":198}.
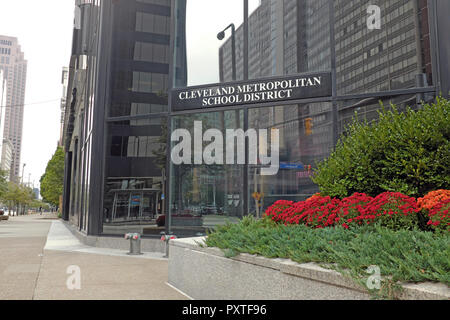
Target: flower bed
{"x":393,"y":210}
{"x":439,"y":216}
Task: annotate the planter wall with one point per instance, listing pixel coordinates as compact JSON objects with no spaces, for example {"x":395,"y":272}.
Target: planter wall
{"x":205,"y":274}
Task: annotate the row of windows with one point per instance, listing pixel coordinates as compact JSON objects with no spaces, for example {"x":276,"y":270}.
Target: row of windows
{"x":134,"y":147}
{"x":150,"y":82}
{"x":6,"y":42}
{"x":158,"y":2}
{"x":151,"y":52}
{"x":152,"y":23}
{"x":4,"y":60}
{"x":135,"y":109}
{"x":5,"y":51}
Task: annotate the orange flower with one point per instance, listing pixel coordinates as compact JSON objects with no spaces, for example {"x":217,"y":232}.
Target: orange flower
{"x":316,"y":195}
{"x":431,"y":199}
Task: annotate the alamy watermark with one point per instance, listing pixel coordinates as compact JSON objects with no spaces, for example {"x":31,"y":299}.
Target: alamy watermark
{"x":374,"y":281}
{"x":229,"y":149}
{"x":74,"y":280}
{"x":374,"y":19}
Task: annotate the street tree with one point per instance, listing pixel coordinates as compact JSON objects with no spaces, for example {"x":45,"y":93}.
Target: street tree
{"x":18,"y":197}
{"x":53,"y":179}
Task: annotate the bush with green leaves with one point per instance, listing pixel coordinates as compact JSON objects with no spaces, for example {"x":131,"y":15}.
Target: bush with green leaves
{"x":407,"y":152}
{"x":53,"y":179}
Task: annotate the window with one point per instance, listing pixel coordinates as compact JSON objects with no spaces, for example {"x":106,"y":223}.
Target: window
{"x":151,"y":23}
{"x":158,"y":2}
{"x":150,"y":82}
{"x":151,"y":52}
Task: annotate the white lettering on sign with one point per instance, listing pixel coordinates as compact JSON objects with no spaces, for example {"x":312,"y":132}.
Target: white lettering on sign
{"x":227,"y":150}
{"x":249,"y":93}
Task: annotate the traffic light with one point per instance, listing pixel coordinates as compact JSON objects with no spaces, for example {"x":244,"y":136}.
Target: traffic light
{"x":308,"y":126}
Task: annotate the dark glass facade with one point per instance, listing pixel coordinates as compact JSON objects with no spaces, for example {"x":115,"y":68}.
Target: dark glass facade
{"x":116,"y":132}
{"x":297,"y":37}
{"x":139,"y":82}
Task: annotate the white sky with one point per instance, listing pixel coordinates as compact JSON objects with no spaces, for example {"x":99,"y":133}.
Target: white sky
{"x":44,"y":29}
{"x":204,"y":20}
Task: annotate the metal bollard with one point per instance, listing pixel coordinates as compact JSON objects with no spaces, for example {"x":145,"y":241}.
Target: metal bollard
{"x":135,"y":243}
{"x":166,"y":238}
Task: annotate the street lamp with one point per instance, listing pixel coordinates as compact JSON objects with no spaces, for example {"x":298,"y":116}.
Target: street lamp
{"x":23,"y":171}
{"x":221,"y":36}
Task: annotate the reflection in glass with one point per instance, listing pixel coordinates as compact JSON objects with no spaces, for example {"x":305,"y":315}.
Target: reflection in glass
{"x":290,"y":37}
{"x":202,"y":196}
{"x":134,"y":176}
{"x":305,"y":138}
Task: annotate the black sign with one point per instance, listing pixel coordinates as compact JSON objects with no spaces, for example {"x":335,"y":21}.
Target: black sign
{"x":252,"y":92}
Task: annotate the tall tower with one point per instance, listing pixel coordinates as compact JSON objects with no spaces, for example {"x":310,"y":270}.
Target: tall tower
{"x":14,"y":66}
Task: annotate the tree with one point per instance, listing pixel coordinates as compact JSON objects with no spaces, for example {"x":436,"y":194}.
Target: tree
{"x":53,"y":179}
{"x":3,"y":183}
{"x":18,"y":196}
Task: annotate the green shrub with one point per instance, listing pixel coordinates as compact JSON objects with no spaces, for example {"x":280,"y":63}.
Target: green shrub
{"x":402,"y":152}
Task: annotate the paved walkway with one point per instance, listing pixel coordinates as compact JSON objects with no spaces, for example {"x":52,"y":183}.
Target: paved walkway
{"x":37,"y":252}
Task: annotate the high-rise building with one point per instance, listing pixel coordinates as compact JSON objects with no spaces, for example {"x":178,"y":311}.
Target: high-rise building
{"x":65,"y":84}
{"x":116,"y":115}
{"x":294,"y":36}
{"x":6,"y":147}
{"x":14,"y":66}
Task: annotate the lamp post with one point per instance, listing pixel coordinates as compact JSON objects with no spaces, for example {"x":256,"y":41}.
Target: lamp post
{"x":23,"y":171}
{"x":220,"y":36}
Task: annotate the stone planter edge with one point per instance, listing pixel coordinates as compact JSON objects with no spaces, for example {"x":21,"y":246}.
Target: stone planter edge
{"x":411,"y":291}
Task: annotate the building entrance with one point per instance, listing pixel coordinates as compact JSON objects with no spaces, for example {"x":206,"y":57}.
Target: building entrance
{"x":131,"y":206}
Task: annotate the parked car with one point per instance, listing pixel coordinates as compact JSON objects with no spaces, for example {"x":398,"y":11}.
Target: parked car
{"x":2,"y":211}
{"x":209,"y":210}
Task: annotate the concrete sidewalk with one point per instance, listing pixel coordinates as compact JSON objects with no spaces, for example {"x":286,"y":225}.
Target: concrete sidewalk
{"x":36,"y":252}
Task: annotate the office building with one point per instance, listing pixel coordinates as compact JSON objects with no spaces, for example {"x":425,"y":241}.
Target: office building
{"x":128,"y":55}
{"x":293,"y":36}
{"x":65,"y":84}
{"x":116,"y":115}
{"x":14,"y":66}
{"x":6,"y":147}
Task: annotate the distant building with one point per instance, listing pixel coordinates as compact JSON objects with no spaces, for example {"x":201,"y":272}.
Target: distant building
{"x":6,"y":147}
{"x":65,"y":84}
{"x":6,"y":156}
{"x":14,"y":66}
{"x":36,"y":193}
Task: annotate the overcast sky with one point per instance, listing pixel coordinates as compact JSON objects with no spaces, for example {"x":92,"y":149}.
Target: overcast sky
{"x":206,"y":18}
{"x":44,"y":29}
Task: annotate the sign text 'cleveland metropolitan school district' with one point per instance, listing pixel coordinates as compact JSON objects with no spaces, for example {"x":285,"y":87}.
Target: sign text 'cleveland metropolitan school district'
{"x":252,"y":92}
